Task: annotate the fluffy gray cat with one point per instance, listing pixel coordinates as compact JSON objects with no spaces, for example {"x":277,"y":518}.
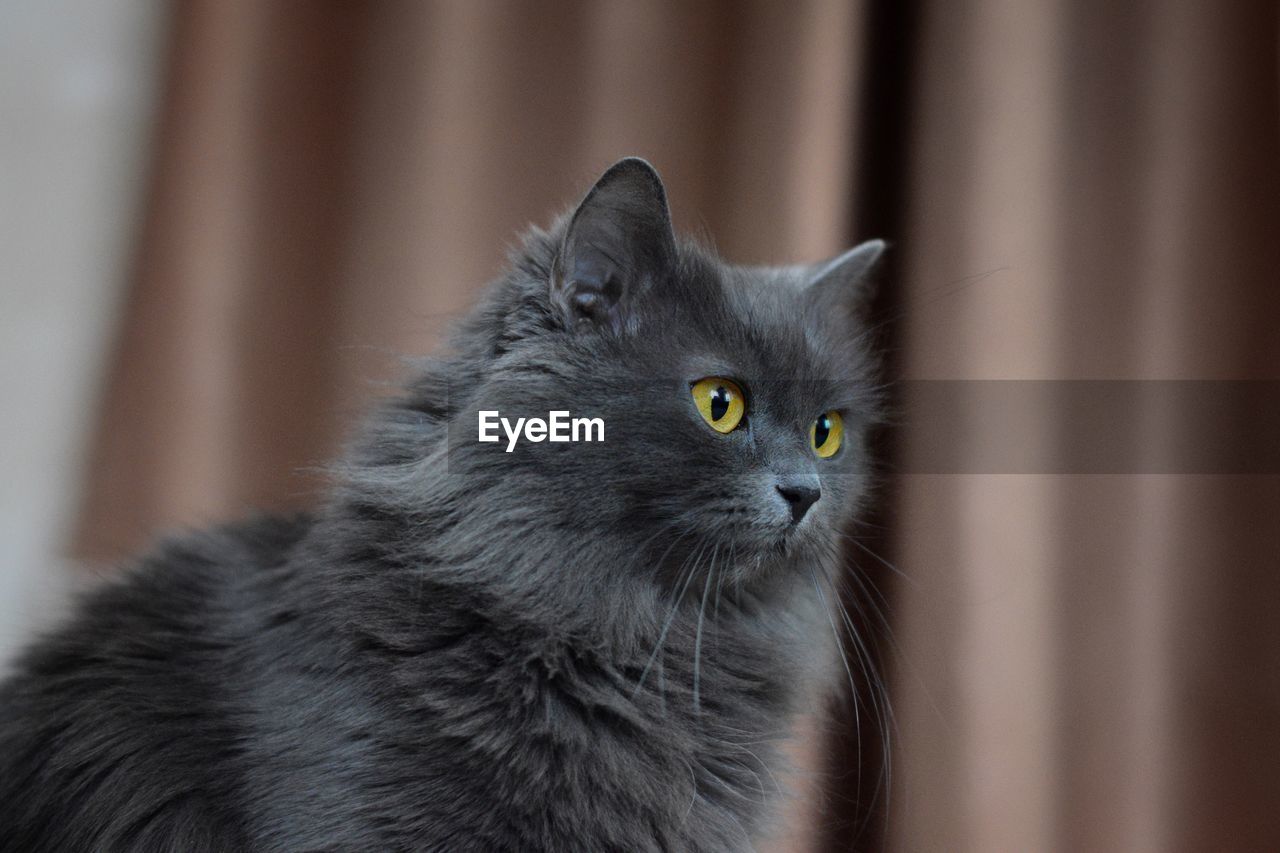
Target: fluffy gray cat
{"x":538,"y":645}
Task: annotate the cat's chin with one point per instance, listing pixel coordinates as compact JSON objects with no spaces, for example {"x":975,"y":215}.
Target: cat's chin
{"x":804,"y":542}
{"x":785,"y":544}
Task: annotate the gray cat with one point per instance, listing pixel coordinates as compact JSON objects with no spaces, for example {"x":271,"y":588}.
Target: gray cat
{"x":545,"y":645}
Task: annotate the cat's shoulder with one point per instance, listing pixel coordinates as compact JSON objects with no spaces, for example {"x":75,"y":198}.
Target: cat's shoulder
{"x":160,"y":603}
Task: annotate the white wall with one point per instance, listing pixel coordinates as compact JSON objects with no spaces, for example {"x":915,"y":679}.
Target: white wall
{"x":78,"y":82}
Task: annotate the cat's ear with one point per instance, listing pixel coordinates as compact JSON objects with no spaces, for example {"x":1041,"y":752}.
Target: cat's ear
{"x":618,"y":243}
{"x":845,"y":284}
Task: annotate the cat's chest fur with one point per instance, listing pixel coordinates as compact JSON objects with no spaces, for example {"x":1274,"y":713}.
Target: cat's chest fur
{"x":475,"y":735}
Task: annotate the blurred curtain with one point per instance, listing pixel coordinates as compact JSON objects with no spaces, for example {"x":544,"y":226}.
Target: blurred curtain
{"x":1077,"y":662}
{"x":1094,"y":660}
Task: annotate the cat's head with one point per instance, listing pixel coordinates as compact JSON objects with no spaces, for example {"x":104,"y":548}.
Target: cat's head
{"x":735,"y":400}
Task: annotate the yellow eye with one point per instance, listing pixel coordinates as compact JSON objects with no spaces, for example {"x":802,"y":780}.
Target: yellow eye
{"x":825,"y":434}
{"x":720,"y":401}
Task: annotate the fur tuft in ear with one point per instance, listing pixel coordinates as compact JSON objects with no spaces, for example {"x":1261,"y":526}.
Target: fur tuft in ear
{"x":618,"y":244}
{"x":844,"y":283}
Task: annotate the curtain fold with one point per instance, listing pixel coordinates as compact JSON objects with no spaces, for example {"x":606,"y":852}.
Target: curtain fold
{"x":1097,"y":654}
{"x":1072,"y":191}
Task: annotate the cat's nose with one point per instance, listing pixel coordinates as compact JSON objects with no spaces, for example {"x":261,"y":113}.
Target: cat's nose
{"x":800,"y":497}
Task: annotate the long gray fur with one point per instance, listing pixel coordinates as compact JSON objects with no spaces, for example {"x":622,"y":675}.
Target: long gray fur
{"x":459,"y":649}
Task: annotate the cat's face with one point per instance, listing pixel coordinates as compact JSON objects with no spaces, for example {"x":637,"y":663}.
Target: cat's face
{"x":735,"y":400}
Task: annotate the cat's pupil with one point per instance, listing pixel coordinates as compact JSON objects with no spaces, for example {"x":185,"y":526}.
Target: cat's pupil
{"x":821,"y":431}
{"x":719,"y":403}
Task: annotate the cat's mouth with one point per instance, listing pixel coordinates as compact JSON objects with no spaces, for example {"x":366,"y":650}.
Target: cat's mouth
{"x":795,"y":541}
{"x":785,"y":541}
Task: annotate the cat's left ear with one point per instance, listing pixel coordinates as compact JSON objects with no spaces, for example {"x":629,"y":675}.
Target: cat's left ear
{"x":845,"y":284}
{"x":619,"y":244}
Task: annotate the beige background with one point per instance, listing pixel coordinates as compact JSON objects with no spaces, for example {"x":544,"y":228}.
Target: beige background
{"x":1079,"y":662}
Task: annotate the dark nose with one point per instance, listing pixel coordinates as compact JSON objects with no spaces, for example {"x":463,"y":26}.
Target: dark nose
{"x":800,"y":498}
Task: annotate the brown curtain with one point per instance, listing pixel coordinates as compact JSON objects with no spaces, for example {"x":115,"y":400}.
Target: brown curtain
{"x":1075,"y":190}
{"x":1097,"y":657}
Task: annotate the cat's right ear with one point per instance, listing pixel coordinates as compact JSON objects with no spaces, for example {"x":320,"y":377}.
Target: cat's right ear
{"x":619,"y":243}
{"x":844,"y":285}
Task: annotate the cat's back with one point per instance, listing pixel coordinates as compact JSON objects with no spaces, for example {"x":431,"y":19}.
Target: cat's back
{"x":122,"y":725}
